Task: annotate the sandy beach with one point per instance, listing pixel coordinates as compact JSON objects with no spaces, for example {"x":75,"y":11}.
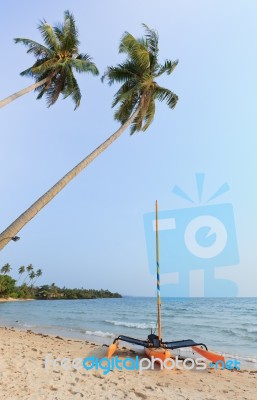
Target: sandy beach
{"x":24,"y":375}
{"x":10,"y":299}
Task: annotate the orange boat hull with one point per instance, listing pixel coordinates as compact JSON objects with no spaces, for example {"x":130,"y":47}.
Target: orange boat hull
{"x":160,"y":353}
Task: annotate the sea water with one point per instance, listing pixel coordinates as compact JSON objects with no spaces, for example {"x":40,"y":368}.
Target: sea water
{"x":227,"y":325}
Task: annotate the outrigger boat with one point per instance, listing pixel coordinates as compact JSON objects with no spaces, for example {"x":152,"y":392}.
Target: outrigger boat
{"x":154,"y":345}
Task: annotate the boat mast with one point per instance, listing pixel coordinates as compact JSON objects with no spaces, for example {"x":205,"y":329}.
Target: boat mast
{"x":158,"y":273}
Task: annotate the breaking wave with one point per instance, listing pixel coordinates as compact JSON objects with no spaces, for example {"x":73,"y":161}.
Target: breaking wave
{"x":137,"y":325}
{"x":99,"y":334}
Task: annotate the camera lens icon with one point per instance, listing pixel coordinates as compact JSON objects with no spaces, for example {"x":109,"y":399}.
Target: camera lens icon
{"x":205,"y":236}
{"x":202,"y":237}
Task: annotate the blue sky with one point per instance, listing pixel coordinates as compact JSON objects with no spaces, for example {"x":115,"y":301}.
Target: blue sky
{"x":92,"y":234}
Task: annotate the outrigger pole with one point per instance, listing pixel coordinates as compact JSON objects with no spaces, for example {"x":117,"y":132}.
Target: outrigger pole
{"x":158,"y":273}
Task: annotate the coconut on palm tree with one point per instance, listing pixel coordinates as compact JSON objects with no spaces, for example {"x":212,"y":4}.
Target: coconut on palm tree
{"x":56,"y":61}
{"x":136,"y":108}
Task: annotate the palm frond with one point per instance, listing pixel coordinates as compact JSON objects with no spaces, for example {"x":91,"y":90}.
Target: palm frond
{"x":29,"y":71}
{"x":136,"y":125}
{"x":58,"y":30}
{"x":35,"y":48}
{"x":76,"y":94}
{"x":167,"y":95}
{"x":149,"y":116}
{"x":83,"y":65}
{"x":44,"y":65}
{"x":126,"y":109}
{"x":84,"y":56}
{"x":152,"y":46}
{"x":152,"y":39}
{"x":128,"y":89}
{"x":120,"y":73}
{"x":55,"y":89}
{"x":49,"y":36}
{"x":135,"y":49}
{"x":168,"y":67}
{"x":42,"y":89}
{"x":70,"y":33}
{"x":72,"y":88}
{"x":142,"y":41}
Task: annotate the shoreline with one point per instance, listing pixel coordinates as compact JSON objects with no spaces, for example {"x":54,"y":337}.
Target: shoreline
{"x":24,"y":374}
{"x":11,"y":299}
{"x":245,"y":360}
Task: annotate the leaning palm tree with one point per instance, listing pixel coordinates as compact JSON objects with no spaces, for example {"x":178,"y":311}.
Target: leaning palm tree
{"x":37,"y":275}
{"x":136,"y":108}
{"x":56,"y":61}
{"x":21,"y":271}
{"x":6,"y":269}
{"x":29,"y":269}
{"x":32,"y":276}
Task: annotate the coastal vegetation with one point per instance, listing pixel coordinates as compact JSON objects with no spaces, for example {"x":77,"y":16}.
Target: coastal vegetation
{"x":9,"y":287}
{"x":54,"y":292}
{"x":135,"y":99}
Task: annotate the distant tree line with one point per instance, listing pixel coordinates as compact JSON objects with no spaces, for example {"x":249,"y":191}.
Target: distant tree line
{"x":54,"y":292}
{"x":9,"y":287}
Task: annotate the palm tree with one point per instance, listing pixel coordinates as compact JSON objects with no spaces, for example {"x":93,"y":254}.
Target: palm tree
{"x":32,"y":276}
{"x":21,"y":271}
{"x":37,"y":275}
{"x":6,"y":269}
{"x":136,"y":98}
{"x":55,"y":62}
{"x":29,"y":269}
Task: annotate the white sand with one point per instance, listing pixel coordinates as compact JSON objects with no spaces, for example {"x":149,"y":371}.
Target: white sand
{"x":9,"y":299}
{"x":23,"y":375}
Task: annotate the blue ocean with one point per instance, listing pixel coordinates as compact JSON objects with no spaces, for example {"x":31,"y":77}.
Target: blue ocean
{"x":227,"y":325}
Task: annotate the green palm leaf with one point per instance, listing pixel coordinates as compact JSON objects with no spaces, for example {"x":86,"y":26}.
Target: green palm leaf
{"x":72,"y":88}
{"x":35,"y":48}
{"x":121,"y":73}
{"x":168,"y":67}
{"x":84,"y":65}
{"x":70,"y":33}
{"x":127,"y":90}
{"x":149,"y":115}
{"x":57,"y":60}
{"x":49,"y":36}
{"x":125,"y":110}
{"x":136,"y":50}
{"x":152,"y":45}
{"x":138,"y":74}
{"x":167,"y":95}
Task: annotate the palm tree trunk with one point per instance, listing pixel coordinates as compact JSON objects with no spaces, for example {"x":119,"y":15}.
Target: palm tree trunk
{"x":25,"y":278}
{"x":35,"y":281}
{"x":24,"y":218}
{"x":15,"y":96}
